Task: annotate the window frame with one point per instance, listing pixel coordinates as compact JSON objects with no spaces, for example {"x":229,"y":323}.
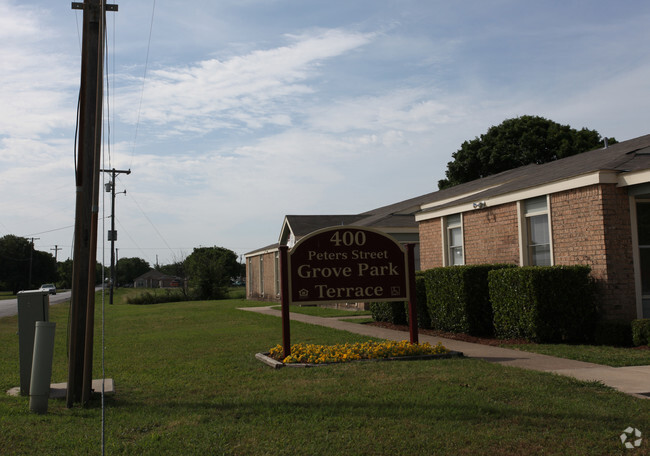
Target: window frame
{"x":449,"y":224}
{"x":525,"y":217}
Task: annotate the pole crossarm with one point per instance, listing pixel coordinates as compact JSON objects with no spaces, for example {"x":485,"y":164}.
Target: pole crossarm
{"x":80,"y":6}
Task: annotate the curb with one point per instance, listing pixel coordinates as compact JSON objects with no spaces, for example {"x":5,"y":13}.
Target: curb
{"x":275,"y":364}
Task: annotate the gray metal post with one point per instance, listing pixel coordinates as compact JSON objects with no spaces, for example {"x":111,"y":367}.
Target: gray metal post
{"x":33,"y":306}
{"x":39,"y":388}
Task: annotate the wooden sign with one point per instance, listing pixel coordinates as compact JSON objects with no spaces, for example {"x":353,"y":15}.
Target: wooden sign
{"x":347,"y":264}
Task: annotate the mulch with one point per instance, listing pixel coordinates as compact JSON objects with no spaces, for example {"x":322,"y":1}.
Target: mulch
{"x":466,"y":337}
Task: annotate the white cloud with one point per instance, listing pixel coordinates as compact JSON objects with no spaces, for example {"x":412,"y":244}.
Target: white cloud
{"x":248,"y":91}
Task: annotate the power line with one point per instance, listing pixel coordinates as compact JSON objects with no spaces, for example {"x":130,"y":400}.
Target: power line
{"x":144,"y":78}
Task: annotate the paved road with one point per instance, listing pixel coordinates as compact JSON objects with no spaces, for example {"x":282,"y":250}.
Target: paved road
{"x":9,"y":307}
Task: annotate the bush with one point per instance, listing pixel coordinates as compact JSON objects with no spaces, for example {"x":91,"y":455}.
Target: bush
{"x":617,"y":333}
{"x":424,"y":321}
{"x":157,"y":298}
{"x":458,"y":298}
{"x":544,"y":304}
{"x":641,"y":332}
{"x":391,"y":312}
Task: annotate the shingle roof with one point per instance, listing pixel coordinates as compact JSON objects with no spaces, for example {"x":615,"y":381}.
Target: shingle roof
{"x":626,"y":156}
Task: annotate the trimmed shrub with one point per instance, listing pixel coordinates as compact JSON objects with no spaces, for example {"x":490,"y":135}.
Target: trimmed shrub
{"x":617,"y":333}
{"x":458,"y":298}
{"x":544,"y":304}
{"x":424,"y":321}
{"x":158,"y":298}
{"x":641,"y":332}
{"x":391,"y":312}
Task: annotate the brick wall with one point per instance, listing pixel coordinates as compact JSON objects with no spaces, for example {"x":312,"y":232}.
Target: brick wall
{"x":491,"y":235}
{"x":591,"y":225}
{"x":253,"y":283}
{"x":430,"y":243}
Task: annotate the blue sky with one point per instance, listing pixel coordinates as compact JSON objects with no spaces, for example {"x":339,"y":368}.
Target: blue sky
{"x":254,"y":109}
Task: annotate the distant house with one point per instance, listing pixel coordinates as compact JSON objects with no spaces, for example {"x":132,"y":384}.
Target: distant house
{"x":592,"y":208}
{"x":156,"y":279}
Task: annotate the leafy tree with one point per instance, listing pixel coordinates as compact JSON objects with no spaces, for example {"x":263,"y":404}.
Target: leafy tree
{"x":517,"y":142}
{"x":16,"y":255}
{"x":64,"y":272}
{"x":176,"y":269}
{"x":127,"y":269}
{"x":209,"y":270}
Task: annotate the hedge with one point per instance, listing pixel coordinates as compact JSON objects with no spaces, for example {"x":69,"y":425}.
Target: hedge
{"x":424,"y":321}
{"x":458,"y":298}
{"x":544,"y":304}
{"x":398,"y":312}
{"x":617,"y":333}
{"x":391,"y":312}
{"x":641,"y":332}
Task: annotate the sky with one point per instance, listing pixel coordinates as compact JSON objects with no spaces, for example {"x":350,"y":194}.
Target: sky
{"x":231,"y":114}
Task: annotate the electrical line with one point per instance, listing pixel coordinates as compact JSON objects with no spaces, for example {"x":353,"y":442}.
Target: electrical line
{"x":144,"y":78}
{"x":150,"y":222}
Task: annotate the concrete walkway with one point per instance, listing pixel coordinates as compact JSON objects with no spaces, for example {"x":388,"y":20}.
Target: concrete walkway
{"x":631,"y":380}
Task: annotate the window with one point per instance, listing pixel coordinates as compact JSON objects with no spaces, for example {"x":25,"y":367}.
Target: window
{"x":537,"y":232}
{"x":454,"y":240}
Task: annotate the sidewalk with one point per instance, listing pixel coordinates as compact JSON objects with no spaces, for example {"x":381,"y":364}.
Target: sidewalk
{"x":631,"y":380}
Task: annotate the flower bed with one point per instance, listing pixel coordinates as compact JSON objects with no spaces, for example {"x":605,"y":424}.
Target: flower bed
{"x":323,"y":354}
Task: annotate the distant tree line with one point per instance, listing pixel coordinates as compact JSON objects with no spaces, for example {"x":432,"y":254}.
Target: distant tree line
{"x":208,"y":269}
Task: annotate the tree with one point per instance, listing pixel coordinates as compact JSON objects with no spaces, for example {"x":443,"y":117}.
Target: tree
{"x":64,"y":270}
{"x":209,"y":270}
{"x":176,"y":269}
{"x":19,"y":261}
{"x":517,"y":142}
{"x":128,"y":269}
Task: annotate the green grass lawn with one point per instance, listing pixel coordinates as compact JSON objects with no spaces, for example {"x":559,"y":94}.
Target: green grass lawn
{"x":599,"y":354}
{"x":7,"y":295}
{"x":188,"y":384}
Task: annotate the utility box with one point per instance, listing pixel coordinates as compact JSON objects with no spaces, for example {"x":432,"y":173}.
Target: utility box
{"x":33,"y":306}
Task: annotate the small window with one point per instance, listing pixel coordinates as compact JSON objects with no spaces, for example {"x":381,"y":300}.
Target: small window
{"x":454,"y":240}
{"x":538,"y":234}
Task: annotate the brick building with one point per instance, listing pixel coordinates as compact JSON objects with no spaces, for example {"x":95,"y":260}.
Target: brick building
{"x":262,"y":265}
{"x":592,"y":208}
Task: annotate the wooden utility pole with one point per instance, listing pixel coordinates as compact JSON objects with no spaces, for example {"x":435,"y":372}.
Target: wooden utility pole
{"x":112,"y":234}
{"x":31,"y":260}
{"x":87,"y":200}
{"x":56,"y":252}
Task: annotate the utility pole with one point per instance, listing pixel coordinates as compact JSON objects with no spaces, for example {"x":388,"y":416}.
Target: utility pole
{"x":31,"y":258}
{"x":82,"y":304}
{"x":112,"y":234}
{"x":56,"y":252}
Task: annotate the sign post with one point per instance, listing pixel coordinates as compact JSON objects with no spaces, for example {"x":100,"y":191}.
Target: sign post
{"x":284,"y":300}
{"x":347,"y":264}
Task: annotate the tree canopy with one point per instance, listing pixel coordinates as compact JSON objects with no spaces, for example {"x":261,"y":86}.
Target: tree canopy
{"x":209,"y":270}
{"x":127,"y":269}
{"x":19,"y":261}
{"x":517,"y":142}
